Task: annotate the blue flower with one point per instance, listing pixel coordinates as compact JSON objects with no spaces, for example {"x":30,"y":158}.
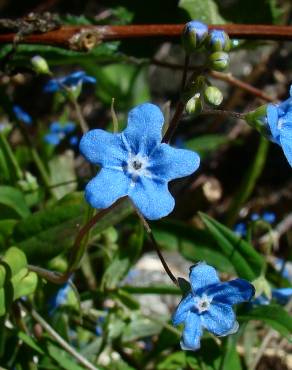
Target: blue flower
{"x":59,"y":298}
{"x":240,"y":229}
{"x":208,"y":305}
{"x":269,"y":217}
{"x":73,"y":80}
{"x":254,"y":216}
{"x":280,"y":295}
{"x":136,"y":164}
{"x":279,"y":119}
{"x":21,"y":115}
{"x":58,"y":132}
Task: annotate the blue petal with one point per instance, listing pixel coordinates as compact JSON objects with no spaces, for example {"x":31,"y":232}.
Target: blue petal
{"x":89,"y":79}
{"x":219,"y":319}
{"x":143,"y":132}
{"x":182,"y":309}
{"x":21,"y":115}
{"x":152,"y":198}
{"x":69,"y":127}
{"x":286,"y":141}
{"x":202,"y":275}
{"x":282,"y":295}
{"x":52,"y":139}
{"x":106,"y":187}
{"x":169,"y":163}
{"x":74,"y":140}
{"x":101,"y":147}
{"x":272,"y":116}
{"x":231,"y":292}
{"x":52,"y":86}
{"x":56,"y":127}
{"x":192,"y":332}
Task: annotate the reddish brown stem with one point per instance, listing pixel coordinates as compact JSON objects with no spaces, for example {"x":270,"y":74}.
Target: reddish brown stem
{"x":86,"y":37}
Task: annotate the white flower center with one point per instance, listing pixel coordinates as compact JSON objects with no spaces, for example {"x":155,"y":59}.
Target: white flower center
{"x":203,"y":303}
{"x":137,"y":166}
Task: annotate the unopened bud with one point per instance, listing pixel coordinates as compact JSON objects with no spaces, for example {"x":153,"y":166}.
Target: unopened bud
{"x":258,"y":120}
{"x":40,"y":65}
{"x":219,"y":61}
{"x":194,"y":35}
{"x":194,"y":105}
{"x":219,"y":40}
{"x":213,"y":95}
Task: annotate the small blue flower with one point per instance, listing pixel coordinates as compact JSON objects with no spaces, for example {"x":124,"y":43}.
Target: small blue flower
{"x":136,"y":164}
{"x":279,"y":295}
{"x":269,"y":217}
{"x":240,"y":229}
{"x":254,"y":216}
{"x":59,"y":298}
{"x":284,"y":267}
{"x":279,"y":119}
{"x":21,"y":115}
{"x":209,"y":305}
{"x":73,"y":80}
{"x":58,"y":132}
{"x":74,"y":140}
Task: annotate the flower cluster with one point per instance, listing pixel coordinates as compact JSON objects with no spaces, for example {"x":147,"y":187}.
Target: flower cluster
{"x":241,"y":227}
{"x":136,"y":164}
{"x":59,"y":131}
{"x":208,"y":305}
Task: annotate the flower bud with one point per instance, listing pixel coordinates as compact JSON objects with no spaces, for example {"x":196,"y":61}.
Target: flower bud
{"x":219,"y":61}
{"x":213,"y":95}
{"x":40,"y":65}
{"x":258,"y":120}
{"x":219,"y":40}
{"x":194,"y":35}
{"x":262,"y":286}
{"x":194,"y":105}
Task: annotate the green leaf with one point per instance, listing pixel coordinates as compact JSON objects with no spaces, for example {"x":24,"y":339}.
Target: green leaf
{"x":124,"y":259}
{"x":12,"y":203}
{"x":273,"y":315}
{"x":174,"y":361}
{"x":30,"y":342}
{"x":23,"y":281}
{"x":246,"y":261}
{"x":140,"y":327}
{"x":206,"y":144}
{"x":49,"y":232}
{"x":62,"y":170}
{"x":205,"y":11}
{"x":3,"y":299}
{"x":251,"y":11}
{"x":194,"y":244}
{"x":63,"y":358}
{"x":231,"y":358}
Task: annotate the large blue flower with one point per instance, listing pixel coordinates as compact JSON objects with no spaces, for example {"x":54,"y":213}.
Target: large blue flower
{"x":209,"y":305}
{"x":73,"y":80}
{"x":136,"y":164}
{"x":279,"y":118}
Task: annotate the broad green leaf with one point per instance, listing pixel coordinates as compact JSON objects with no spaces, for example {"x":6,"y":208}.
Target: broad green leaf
{"x":12,"y":203}
{"x":273,"y":315}
{"x":251,"y":11}
{"x":23,"y":281}
{"x":206,"y":144}
{"x":30,"y":342}
{"x":62,"y":171}
{"x":6,"y":230}
{"x":205,"y":11}
{"x":49,"y":232}
{"x":246,"y":261}
{"x":140,"y":327}
{"x":3,"y":302}
{"x":194,"y":244}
